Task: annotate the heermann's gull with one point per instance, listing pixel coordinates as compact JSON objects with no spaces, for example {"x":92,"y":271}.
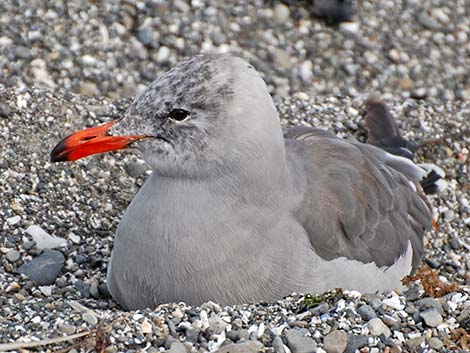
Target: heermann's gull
{"x":236,"y":212}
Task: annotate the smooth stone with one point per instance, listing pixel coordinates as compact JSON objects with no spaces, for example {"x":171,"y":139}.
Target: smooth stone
{"x":83,"y":288}
{"x":28,"y":245}
{"x":427,"y":303}
{"x":13,"y":255}
{"x":356,"y":342}
{"x":22,"y":52}
{"x":278,"y":345}
{"x":413,"y":343}
{"x":90,"y":318}
{"x":43,"y":239}
{"x":45,"y":268}
{"x":243,"y":347}
{"x":431,"y":317}
{"x":281,"y":13}
{"x":5,"y":110}
{"x":435,"y":343}
{"x":298,"y":342}
{"x":377,"y":327}
{"x":177,"y":347}
{"x":335,"y":342}
{"x":366,"y":312}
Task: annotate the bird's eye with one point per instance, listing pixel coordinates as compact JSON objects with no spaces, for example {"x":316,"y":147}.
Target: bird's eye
{"x":179,"y":114}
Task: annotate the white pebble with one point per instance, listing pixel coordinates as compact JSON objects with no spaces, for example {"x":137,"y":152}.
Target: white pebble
{"x":43,"y":239}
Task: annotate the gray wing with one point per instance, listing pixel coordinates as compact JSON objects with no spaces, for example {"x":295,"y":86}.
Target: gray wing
{"x":359,"y":202}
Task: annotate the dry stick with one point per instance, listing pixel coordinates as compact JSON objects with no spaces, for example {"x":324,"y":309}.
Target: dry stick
{"x":443,"y":139}
{"x":19,"y":345}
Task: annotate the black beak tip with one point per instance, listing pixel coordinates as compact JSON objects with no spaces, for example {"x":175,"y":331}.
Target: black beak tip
{"x":57,"y":154}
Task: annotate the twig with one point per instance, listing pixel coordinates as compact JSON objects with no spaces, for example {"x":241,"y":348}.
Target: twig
{"x":18,"y":345}
{"x":443,"y":139}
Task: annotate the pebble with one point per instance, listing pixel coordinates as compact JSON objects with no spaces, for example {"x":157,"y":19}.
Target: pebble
{"x":431,"y":317}
{"x":335,"y":342}
{"x":90,"y":318}
{"x":356,"y":342}
{"x":278,"y":345}
{"x":281,"y":13}
{"x":413,"y":343}
{"x":243,"y":347}
{"x":13,"y":255}
{"x":43,"y":239}
{"x":366,"y":312}
{"x":45,"y":268}
{"x":298,"y":342}
{"x":5,"y":112}
{"x":377,"y":328}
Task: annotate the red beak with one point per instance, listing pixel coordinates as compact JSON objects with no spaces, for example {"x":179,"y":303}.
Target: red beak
{"x":90,"y":141}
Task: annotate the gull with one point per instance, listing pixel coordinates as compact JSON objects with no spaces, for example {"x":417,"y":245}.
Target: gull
{"x":237,"y":210}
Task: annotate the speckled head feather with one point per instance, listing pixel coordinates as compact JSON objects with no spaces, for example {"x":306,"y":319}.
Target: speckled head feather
{"x":212,"y":90}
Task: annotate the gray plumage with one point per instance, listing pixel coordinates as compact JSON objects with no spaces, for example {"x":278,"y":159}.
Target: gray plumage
{"x":236,"y":211}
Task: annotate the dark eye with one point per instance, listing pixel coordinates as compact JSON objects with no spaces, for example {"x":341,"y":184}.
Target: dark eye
{"x":178,"y":114}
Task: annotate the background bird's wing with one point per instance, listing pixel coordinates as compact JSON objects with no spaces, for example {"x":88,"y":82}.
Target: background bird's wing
{"x":359,"y":202}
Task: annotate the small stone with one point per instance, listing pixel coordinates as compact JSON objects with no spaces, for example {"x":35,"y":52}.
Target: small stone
{"x":67,"y":329}
{"x":43,"y":239}
{"x":298,"y":342}
{"x":147,"y":36}
{"x":356,"y":342}
{"x":89,"y":318}
{"x":5,"y":112}
{"x":435,"y":343}
{"x":335,"y":342}
{"x":282,"y":58}
{"x":83,"y":288}
{"x":366,"y":312}
{"x":13,"y":255}
{"x":413,"y":343}
{"x":394,"y":303}
{"x":377,"y":328}
{"x":431,"y":317}
{"x":45,"y":268}
{"x":88,"y":88}
{"x":242,"y":347}
{"x":28,"y":245}
{"x":177,"y":347}
{"x":281,"y":13}
{"x":22,"y":52}
{"x":163,"y":54}
{"x":278,"y":345}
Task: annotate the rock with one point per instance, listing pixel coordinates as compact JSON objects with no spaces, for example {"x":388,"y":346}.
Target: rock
{"x":90,"y":318}
{"x":243,"y":347}
{"x":147,"y":36}
{"x":394,"y":303}
{"x":43,"y":239}
{"x":281,"y":13}
{"x":356,"y":342}
{"x":45,"y":268}
{"x":5,"y":112}
{"x":278,"y":345}
{"x":435,"y":343}
{"x":335,"y":342}
{"x":431,"y":317}
{"x":282,"y":58}
{"x":366,"y":312}
{"x":83,"y":288}
{"x":28,"y":245}
{"x":67,"y":329}
{"x":427,"y":303}
{"x":413,"y":343}
{"x":177,"y":347}
{"x":88,"y":88}
{"x":13,"y":255}
{"x":298,"y":342}
{"x":377,"y":328}
{"x":22,"y":52}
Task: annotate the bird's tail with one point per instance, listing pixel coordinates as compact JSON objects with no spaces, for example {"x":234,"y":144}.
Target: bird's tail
{"x":383,"y":132}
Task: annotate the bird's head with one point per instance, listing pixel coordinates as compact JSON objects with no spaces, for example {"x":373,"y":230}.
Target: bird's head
{"x":205,"y":113}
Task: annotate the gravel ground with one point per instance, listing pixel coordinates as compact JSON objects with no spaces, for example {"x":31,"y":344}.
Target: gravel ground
{"x":415,"y":54}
